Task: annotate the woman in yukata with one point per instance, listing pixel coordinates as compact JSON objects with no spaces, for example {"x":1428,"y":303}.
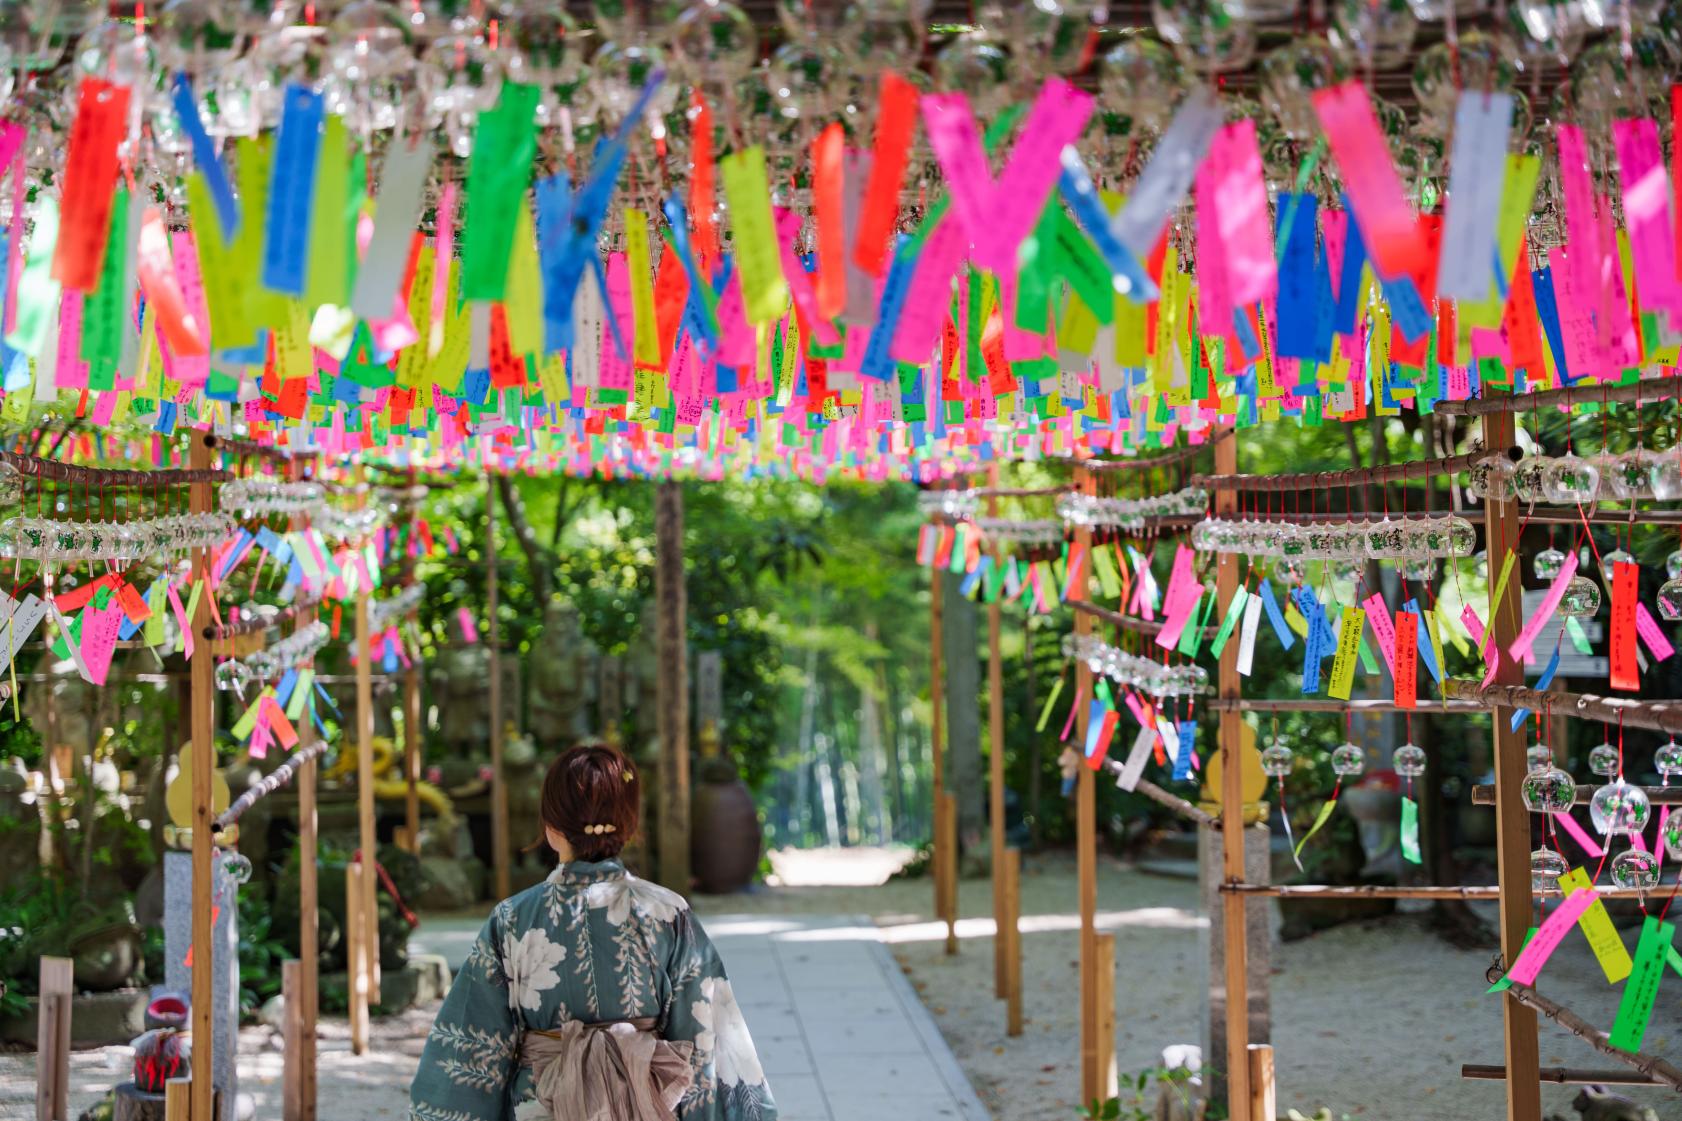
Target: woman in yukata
{"x":594,"y":996}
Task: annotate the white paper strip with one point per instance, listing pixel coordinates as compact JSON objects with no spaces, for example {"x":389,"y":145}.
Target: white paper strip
{"x":1477,"y":173}
{"x":402,"y":187}
{"x":1168,"y":176}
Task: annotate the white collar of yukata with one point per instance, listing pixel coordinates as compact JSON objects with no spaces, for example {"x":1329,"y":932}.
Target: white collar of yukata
{"x":586,"y":872}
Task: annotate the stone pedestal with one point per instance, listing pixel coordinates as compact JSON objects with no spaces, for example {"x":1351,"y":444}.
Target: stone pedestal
{"x":1259,"y":921}
{"x":178,"y":936}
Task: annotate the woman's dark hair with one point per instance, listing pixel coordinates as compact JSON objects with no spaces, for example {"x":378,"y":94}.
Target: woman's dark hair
{"x":591,"y":797}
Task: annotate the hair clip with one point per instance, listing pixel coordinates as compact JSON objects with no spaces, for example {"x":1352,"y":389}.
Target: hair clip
{"x":626,"y":774}
{"x":595,"y":830}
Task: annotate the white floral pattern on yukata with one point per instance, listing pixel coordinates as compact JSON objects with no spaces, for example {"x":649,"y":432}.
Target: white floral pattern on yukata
{"x":596,"y":944}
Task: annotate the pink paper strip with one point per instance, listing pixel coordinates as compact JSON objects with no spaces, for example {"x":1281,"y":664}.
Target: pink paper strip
{"x":930,"y":293}
{"x":800,"y":281}
{"x":1652,"y":634}
{"x":1577,"y":833}
{"x":1582,"y":235}
{"x":1550,"y":603}
{"x":1383,"y":628}
{"x":1647,"y":214}
{"x":1547,"y":938}
{"x":1240,"y":194}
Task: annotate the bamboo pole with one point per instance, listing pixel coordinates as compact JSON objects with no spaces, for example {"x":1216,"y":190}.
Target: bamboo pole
{"x":203,"y":719}
{"x":500,"y":856}
{"x":1173,"y":802}
{"x":1484,"y":795}
{"x":1567,"y":1076}
{"x":1235,"y":915}
{"x":1650,"y":1065}
{"x":1086,"y":847}
{"x":1659,"y":716}
{"x":1357,"y":706}
{"x":937,"y":732}
{"x":1645,"y":391}
{"x":1512,"y":820}
{"x":1013,"y":941}
{"x":309,"y":955}
{"x":1129,"y":622}
{"x":411,"y":703}
{"x":996,"y":755}
{"x":52,"y":1038}
{"x":949,"y":846}
{"x":1355,"y":476}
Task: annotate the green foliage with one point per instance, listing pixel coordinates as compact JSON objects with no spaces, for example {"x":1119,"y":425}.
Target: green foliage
{"x":44,"y":915}
{"x":1141,"y":1091}
{"x":261,"y":953}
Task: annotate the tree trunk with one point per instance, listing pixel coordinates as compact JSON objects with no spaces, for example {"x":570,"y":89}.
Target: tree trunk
{"x":539,"y":561}
{"x":963,"y":712}
{"x":673,"y":688}
{"x":1031,"y":709}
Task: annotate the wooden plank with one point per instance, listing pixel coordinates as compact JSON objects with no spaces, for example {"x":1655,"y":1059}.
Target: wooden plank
{"x":367,"y":835}
{"x":292,"y":1040}
{"x":202,"y":699}
{"x":1512,"y":820}
{"x":937,"y":731}
{"x":356,"y":961}
{"x":309,"y":957}
{"x":672,"y":685}
{"x":1012,"y":937}
{"x":996,"y":752}
{"x":411,"y":702}
{"x":1263,"y":1100}
{"x":1234,"y":925}
{"x":178,"y":1098}
{"x":950,"y":845}
{"x":1086,"y":840}
{"x":500,"y":855}
{"x":1103,"y":967}
{"x":52,"y":1039}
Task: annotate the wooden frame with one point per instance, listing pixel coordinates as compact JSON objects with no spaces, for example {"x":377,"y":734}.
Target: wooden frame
{"x":52,"y":1039}
{"x":201,"y":500}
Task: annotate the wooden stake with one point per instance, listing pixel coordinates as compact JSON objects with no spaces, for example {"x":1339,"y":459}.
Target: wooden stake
{"x":1103,"y":966}
{"x":1234,"y":925}
{"x":411,"y":705}
{"x":309,"y":953}
{"x":292,"y":1040}
{"x":1011,"y":935}
{"x":672,"y":685}
{"x":52,"y":1039}
{"x":1086,"y":845}
{"x":937,"y":733}
{"x":203,"y":700}
{"x":500,"y":855}
{"x":949,"y":846}
{"x":1263,"y":1102}
{"x":996,"y":754}
{"x":178,"y":1099}
{"x":1512,"y":820}
{"x":356,"y":959}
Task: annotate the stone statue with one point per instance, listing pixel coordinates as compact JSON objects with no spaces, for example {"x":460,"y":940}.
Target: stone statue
{"x":460,"y":677}
{"x":563,"y":679}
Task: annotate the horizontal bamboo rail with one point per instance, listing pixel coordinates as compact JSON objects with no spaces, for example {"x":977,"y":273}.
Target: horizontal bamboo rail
{"x":1644,"y":391}
{"x":1354,"y":476}
{"x":1172,"y":801}
{"x":1020,"y":492}
{"x":1126,"y":622}
{"x":1144,"y":463}
{"x":34,"y":467}
{"x":1422,"y":891}
{"x":1483,"y":794}
{"x":250,"y":449}
{"x":257,"y":624}
{"x":1568,"y":1076}
{"x":1659,"y":716}
{"x":1327,"y":704}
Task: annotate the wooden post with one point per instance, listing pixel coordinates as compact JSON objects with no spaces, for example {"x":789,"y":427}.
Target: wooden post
{"x":1012,"y":937}
{"x":411,"y":702}
{"x":178,"y":1099}
{"x":367,"y":834}
{"x":309,"y":953}
{"x":292,"y":1040}
{"x":203,"y":700}
{"x":996,"y":755}
{"x":937,"y":732}
{"x":52,"y":1040}
{"x":1263,"y":1101}
{"x":1235,"y":911}
{"x":1512,"y":819}
{"x":500,"y":855}
{"x":949,"y":849}
{"x":673,"y":685}
{"x":1103,"y":967}
{"x":356,"y":958}
{"x":1086,"y":846}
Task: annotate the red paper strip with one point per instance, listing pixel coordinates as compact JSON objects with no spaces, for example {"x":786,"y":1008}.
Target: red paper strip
{"x":1389,"y":228}
{"x":1626,"y":670}
{"x":703,"y":192}
{"x":90,"y":183}
{"x":896,"y":120}
{"x":1406,"y":667}
{"x":828,"y":211}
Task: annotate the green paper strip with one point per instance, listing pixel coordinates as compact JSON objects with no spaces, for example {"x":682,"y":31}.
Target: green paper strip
{"x":1635,"y":1010}
{"x":248,"y":723}
{"x":1320,"y":819}
{"x":1495,"y":598}
{"x":328,"y":280}
{"x":301,"y":693}
{"x":1234,"y":612}
{"x":1191,"y":640}
{"x":1050,"y":703}
{"x":37,"y":300}
{"x":1410,"y":831}
{"x":498,"y":173}
{"x":1579,"y":639}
